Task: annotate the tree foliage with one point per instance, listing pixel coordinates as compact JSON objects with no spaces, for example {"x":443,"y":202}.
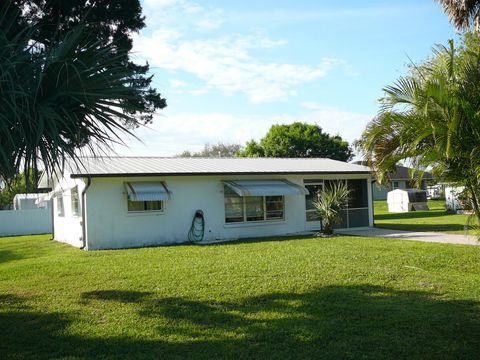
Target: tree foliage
{"x":431,"y":118}
{"x":112,"y":24}
{"x":298,"y":140}
{"x":74,"y":92}
{"x":216,"y":150}
{"x":463,"y":14}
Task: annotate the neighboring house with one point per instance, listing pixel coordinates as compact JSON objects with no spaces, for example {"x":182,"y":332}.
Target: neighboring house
{"x":399,"y":179}
{"x":30,"y":201}
{"x":120,"y":202}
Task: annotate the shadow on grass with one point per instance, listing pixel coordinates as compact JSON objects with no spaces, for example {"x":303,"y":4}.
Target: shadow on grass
{"x":332,"y":322}
{"x":412,"y":215}
{"x":422,"y":227}
{"x":256,"y":240}
{"x":7,"y":255}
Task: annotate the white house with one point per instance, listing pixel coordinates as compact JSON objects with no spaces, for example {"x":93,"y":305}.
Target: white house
{"x":120,"y":202}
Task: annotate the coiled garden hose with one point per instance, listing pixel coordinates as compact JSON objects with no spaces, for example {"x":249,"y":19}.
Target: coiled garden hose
{"x":197,"y":229}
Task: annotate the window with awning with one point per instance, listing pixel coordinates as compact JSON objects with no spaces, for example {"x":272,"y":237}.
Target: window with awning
{"x":265,"y":188}
{"x":147,"y":191}
{"x":146,"y":196}
{"x":258,"y":200}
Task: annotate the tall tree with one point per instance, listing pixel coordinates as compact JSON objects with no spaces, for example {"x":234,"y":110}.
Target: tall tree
{"x":463,"y":14}
{"x":431,"y":118}
{"x":75,"y":93}
{"x":112,"y":24}
{"x":216,"y":150}
{"x":298,"y":140}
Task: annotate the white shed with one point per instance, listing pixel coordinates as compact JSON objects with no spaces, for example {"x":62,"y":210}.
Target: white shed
{"x":405,"y":200}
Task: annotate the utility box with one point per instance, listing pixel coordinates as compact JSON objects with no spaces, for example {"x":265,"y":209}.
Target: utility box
{"x":406,"y":200}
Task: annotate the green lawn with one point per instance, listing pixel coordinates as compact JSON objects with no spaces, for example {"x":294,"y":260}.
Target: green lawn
{"x":435,"y":219}
{"x":342,"y":297}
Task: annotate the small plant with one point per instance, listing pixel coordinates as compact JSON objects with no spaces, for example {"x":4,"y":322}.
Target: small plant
{"x":328,"y":204}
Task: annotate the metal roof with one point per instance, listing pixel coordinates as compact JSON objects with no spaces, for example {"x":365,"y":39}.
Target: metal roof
{"x":155,"y":166}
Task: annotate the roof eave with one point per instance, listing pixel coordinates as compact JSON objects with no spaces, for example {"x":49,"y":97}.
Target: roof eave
{"x":103,"y":175}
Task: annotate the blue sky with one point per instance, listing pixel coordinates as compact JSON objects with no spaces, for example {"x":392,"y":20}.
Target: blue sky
{"x":231,"y":69}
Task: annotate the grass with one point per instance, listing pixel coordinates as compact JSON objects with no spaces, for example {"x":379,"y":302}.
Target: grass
{"x":342,"y":297}
{"x":435,"y":219}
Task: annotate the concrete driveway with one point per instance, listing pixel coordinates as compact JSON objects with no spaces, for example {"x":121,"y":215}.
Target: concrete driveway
{"x":436,"y":237}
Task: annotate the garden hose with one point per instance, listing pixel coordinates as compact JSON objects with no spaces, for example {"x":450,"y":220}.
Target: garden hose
{"x":197,"y":229}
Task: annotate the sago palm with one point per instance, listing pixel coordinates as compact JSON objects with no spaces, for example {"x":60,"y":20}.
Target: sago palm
{"x":329,"y":203}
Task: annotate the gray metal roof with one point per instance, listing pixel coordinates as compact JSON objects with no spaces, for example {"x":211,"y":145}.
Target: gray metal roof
{"x":151,"y":166}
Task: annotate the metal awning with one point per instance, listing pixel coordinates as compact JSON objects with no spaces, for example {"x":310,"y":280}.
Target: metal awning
{"x":147,"y":191}
{"x":265,"y":187}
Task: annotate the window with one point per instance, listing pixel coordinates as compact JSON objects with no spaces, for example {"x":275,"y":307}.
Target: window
{"x":395,"y":185}
{"x":234,"y":206}
{"x":252,"y":208}
{"x":60,"y":209}
{"x":75,"y":201}
{"x":138,"y":206}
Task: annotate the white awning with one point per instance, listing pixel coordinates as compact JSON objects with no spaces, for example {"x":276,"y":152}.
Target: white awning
{"x":266,"y":187}
{"x":147,"y":191}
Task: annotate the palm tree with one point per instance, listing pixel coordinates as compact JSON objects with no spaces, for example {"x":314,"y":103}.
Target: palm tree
{"x":57,"y":102}
{"x":432,"y":119}
{"x":462,"y":13}
{"x":328,"y":204}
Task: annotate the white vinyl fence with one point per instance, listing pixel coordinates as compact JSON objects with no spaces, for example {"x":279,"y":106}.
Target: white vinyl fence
{"x":25,"y":222}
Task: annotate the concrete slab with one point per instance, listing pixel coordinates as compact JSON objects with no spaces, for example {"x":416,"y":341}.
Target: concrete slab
{"x":436,"y":237}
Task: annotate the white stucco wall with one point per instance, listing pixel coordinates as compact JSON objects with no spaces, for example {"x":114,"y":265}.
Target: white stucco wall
{"x":68,"y":228}
{"x":109,"y":225}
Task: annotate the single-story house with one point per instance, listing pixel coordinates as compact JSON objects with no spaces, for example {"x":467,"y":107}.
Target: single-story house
{"x":120,"y":202}
{"x":398,"y":179}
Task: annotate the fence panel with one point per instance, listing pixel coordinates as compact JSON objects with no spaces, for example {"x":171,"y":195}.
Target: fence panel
{"x":25,"y":222}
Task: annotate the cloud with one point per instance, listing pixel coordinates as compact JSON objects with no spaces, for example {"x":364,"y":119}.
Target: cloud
{"x":177,"y":83}
{"x":226,"y":64}
{"x":222,"y":61}
{"x":172,"y":134}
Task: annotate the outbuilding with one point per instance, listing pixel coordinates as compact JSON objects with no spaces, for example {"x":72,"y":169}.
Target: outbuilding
{"x":405,"y":200}
{"x":30,"y":201}
{"x":121,"y":202}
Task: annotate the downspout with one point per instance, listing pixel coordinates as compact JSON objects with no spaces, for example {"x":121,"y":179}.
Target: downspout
{"x":373,"y":201}
{"x":53,"y":219}
{"x":84,"y":201}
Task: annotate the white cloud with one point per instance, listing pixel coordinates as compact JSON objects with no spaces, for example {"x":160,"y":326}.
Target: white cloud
{"x":171,"y":134}
{"x":221,"y":61}
{"x":177,"y":83}
{"x":226,"y":64}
